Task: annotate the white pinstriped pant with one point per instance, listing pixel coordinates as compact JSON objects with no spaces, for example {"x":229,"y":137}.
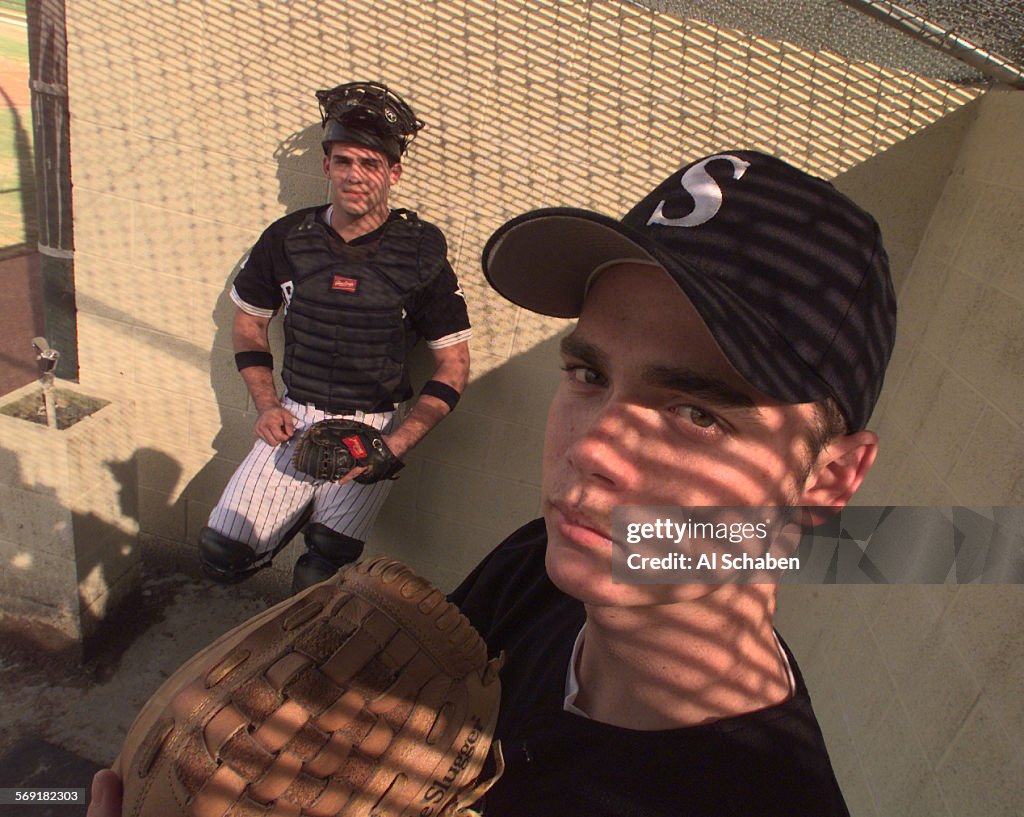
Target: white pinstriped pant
{"x":266,"y":496}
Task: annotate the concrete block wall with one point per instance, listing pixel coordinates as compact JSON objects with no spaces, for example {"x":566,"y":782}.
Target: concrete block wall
{"x":919,"y":687}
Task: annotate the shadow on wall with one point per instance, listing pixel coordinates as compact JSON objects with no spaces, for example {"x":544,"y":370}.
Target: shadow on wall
{"x":301,"y":184}
{"x":40,"y":581}
{"x":43,"y":578}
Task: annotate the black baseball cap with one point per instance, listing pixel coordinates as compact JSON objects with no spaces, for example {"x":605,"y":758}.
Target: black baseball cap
{"x":789,"y":275}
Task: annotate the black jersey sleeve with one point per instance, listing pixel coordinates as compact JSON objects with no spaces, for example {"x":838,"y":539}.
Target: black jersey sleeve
{"x":266,"y":274}
{"x":255,"y":289}
{"x":438,"y":311}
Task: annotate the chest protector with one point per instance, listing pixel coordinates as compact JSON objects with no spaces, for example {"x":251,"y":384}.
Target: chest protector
{"x":346,"y":339}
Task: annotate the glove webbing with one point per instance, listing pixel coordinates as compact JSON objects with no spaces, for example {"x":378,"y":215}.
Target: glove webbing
{"x":314,"y":726}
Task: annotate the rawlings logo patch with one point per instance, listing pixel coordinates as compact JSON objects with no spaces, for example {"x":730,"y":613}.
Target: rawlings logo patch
{"x":344,"y":284}
{"x":355,"y":447}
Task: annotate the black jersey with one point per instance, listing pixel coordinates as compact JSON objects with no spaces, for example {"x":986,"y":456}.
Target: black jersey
{"x":264,"y":283}
{"x":769,"y":763}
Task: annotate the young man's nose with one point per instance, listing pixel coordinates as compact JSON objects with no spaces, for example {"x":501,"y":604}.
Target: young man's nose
{"x":608,"y":446}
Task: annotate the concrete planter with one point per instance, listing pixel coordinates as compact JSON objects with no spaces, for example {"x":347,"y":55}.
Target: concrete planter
{"x":68,"y":518}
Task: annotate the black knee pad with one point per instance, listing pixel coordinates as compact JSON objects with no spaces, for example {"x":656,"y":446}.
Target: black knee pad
{"x":333,"y":546}
{"x":225,"y":560}
{"x":326,"y":552}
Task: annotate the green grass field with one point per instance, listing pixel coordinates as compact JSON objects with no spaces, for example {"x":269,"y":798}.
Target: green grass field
{"x":13,"y":43}
{"x":17,"y":184}
{"x":13,"y":46}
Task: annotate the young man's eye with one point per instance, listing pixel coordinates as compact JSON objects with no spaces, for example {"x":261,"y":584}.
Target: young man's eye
{"x":582,"y":374}
{"x":699,"y":418}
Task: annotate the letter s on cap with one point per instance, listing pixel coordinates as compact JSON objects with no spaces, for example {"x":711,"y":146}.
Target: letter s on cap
{"x":707,"y":195}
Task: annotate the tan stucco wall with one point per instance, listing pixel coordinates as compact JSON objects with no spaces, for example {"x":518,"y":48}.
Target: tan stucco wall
{"x":919,"y":687}
{"x":194,"y":125}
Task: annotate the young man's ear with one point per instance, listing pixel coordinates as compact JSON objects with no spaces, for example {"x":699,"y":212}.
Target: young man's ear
{"x":840,"y":469}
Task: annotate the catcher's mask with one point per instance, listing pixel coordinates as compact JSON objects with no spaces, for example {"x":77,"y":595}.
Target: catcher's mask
{"x":369,"y":114}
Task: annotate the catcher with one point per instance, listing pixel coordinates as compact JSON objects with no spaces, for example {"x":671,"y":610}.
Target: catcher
{"x":358,"y":283}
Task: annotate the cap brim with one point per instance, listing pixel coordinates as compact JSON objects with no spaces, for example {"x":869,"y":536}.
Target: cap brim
{"x":544,"y":260}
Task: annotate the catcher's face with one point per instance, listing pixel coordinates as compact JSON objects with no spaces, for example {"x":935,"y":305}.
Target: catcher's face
{"x":650,"y":412}
{"x":360,"y":179}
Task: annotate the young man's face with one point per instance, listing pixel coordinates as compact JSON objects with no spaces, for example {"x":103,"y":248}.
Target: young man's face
{"x":650,"y":412}
{"x":360,"y":179}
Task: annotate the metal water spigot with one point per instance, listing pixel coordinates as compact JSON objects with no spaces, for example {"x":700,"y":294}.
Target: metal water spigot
{"x":46,"y":360}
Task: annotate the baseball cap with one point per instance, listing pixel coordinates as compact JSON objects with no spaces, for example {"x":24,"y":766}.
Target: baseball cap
{"x":789,"y":275}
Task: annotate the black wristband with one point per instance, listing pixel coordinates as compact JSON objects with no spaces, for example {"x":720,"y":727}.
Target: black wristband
{"x":243,"y":360}
{"x":442,"y":391}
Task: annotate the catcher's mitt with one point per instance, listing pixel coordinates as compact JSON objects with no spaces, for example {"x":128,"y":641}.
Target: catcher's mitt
{"x":368,"y":695}
{"x":331,"y":448}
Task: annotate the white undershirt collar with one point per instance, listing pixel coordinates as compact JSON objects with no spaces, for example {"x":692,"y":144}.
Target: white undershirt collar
{"x":572,"y":681}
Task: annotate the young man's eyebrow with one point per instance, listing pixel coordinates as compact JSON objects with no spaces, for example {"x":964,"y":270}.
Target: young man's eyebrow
{"x":715,"y":391}
{"x":573,"y":346}
{"x":712,"y":389}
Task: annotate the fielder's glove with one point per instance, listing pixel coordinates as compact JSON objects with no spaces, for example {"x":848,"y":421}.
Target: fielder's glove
{"x":368,"y":695}
{"x":331,"y":448}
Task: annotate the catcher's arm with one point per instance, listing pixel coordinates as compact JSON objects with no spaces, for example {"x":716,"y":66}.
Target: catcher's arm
{"x":451,"y":366}
{"x":275,"y":424}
